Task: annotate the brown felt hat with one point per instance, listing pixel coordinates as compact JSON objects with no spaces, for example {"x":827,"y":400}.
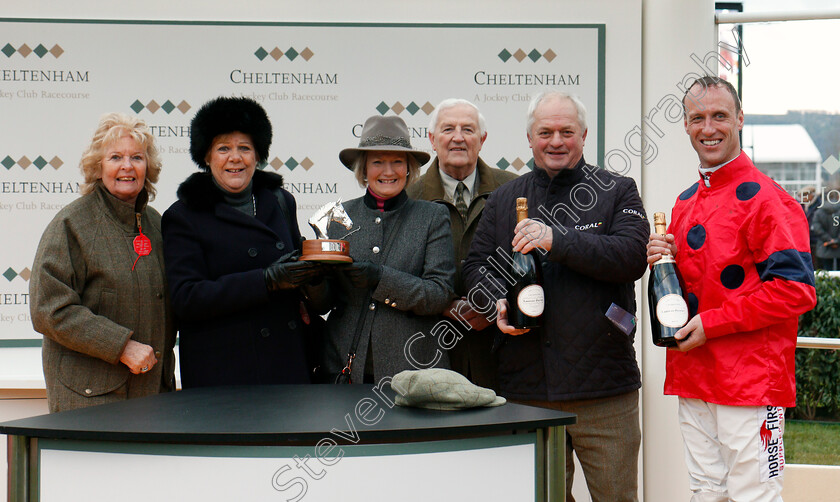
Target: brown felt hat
{"x":383,"y":134}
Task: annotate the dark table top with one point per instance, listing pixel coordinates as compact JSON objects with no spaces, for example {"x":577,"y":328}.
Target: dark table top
{"x":277,"y":414}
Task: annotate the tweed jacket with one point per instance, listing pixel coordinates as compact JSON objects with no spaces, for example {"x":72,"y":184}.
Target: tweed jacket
{"x":232,"y":330}
{"x":88,"y":301}
{"x":415,"y":287}
{"x":472,"y":355}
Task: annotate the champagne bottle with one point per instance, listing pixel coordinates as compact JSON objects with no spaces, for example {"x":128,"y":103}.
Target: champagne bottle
{"x":668,"y":309}
{"x":526,"y":299}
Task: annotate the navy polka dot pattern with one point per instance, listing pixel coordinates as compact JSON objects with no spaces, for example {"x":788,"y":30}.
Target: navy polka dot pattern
{"x":747,"y":190}
{"x":732,"y":276}
{"x":693,"y":303}
{"x":691,"y":191}
{"x":696,"y":236}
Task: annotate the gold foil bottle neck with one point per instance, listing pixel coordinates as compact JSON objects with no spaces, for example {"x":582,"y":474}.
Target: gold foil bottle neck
{"x":521,"y":208}
{"x":659,"y":223}
{"x":662,"y":228}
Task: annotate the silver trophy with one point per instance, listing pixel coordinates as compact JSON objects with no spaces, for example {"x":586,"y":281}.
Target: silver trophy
{"x":322,"y":248}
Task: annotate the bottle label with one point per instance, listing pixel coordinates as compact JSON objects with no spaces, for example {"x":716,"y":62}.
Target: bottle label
{"x":672,"y":311}
{"x":531,"y":300}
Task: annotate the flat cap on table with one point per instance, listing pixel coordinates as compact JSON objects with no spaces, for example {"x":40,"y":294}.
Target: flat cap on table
{"x":440,"y":389}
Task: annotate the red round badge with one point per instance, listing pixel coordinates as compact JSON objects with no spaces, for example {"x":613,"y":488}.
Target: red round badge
{"x":142,"y":245}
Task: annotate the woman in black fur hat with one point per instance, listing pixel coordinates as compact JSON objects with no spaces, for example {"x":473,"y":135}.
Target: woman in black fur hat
{"x":229,"y":244}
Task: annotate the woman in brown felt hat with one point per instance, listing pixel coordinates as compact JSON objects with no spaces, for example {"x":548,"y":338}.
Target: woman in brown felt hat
{"x":386,"y":303}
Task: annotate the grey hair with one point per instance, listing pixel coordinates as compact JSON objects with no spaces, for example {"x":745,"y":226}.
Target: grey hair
{"x":451,"y":103}
{"x":549,"y":94}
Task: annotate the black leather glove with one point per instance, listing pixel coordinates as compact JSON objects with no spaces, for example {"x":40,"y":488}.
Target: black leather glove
{"x":363,"y":274}
{"x":284,"y":274}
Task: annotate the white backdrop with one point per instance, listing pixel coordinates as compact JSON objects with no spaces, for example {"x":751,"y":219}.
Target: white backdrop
{"x":675,"y":33}
{"x":318,"y":83}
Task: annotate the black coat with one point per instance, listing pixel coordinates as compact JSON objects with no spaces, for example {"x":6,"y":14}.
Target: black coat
{"x":232,"y":331}
{"x":598,"y":251}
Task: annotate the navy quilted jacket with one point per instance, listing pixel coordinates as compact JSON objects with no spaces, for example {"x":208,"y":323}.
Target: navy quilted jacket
{"x":599,"y":235}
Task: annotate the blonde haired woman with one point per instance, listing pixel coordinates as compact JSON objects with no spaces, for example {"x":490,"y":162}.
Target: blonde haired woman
{"x":98,"y":290}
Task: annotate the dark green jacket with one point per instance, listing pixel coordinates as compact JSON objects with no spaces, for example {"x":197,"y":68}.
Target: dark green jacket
{"x":430,"y":187}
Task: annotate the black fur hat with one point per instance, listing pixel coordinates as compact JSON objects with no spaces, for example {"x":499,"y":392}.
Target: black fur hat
{"x":224,"y":115}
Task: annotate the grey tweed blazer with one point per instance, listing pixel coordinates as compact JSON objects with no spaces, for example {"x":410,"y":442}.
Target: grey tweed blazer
{"x":417,"y":284}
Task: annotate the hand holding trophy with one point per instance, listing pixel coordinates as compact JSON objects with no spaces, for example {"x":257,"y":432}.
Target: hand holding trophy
{"x":321,"y":248}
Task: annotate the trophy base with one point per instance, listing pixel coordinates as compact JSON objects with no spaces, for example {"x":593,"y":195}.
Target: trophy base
{"x":326,"y":250}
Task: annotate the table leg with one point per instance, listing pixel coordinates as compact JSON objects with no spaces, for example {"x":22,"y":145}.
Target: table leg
{"x":555,"y":463}
{"x":18,"y":461}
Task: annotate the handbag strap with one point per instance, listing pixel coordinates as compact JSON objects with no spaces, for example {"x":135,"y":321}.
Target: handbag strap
{"x":397,"y":225}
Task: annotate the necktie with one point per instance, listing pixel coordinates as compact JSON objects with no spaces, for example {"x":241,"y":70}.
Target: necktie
{"x":460,"y":205}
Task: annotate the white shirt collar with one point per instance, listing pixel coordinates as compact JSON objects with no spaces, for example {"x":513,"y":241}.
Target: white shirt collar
{"x":450,"y":184}
{"x":706,"y":172}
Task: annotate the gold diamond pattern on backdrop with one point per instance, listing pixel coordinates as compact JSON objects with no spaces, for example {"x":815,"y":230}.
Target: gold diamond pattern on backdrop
{"x":276,"y":164}
{"x":549,"y":55}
